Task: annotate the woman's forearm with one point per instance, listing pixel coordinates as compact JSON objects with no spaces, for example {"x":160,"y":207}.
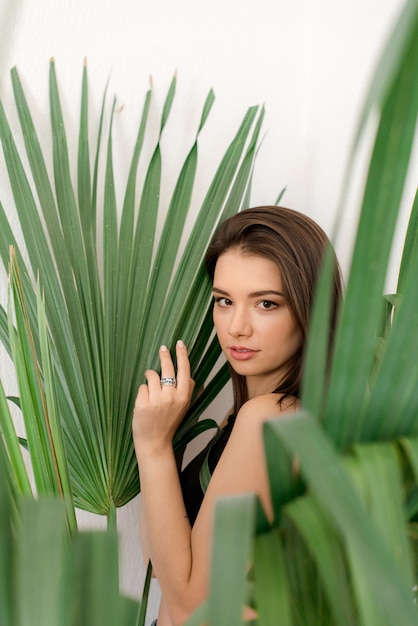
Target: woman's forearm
{"x":159,"y":409}
{"x":168,"y":531}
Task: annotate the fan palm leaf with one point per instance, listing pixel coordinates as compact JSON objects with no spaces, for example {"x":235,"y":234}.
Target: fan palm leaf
{"x":114,"y":290}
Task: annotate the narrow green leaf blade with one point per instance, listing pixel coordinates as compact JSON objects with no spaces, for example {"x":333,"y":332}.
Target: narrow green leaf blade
{"x":410,"y":249}
{"x":8,"y":497}
{"x":52,"y":418}
{"x":66,"y":201}
{"x":233,"y":532}
{"x":40,"y":557}
{"x":324,"y":544}
{"x":376,"y":469}
{"x":18,"y":470}
{"x":168,"y":102}
{"x":271,"y":591}
{"x":83,"y":164}
{"x":316,"y":360}
{"x":392,"y":407}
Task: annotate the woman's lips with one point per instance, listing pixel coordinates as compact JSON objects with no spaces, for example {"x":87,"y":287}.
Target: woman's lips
{"x":240,"y":353}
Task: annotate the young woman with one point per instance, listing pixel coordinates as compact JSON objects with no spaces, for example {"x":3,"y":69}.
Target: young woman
{"x":264,"y":263}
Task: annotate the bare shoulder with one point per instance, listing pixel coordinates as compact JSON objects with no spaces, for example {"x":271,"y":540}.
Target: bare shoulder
{"x":267,"y":406}
{"x":242,"y":467}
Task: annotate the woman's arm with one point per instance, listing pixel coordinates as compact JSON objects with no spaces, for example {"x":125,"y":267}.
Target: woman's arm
{"x":158,"y":412}
{"x":181,"y":555}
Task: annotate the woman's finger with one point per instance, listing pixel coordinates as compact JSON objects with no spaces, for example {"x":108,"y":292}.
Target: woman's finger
{"x":183,"y":366}
{"x":167,"y":369}
{"x":142,"y":395}
{"x":153,"y":382}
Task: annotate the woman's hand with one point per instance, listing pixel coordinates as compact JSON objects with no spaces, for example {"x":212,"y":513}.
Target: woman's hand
{"x":159,"y":409}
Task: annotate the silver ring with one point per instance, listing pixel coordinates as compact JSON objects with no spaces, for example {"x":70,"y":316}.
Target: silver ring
{"x":167,"y":381}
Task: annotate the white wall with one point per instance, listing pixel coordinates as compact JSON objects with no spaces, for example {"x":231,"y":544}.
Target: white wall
{"x":309,"y":61}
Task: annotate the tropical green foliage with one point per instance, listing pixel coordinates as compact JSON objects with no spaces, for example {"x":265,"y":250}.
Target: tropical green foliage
{"x":113,"y":291}
{"x":342,"y":547}
{"x":48,"y":578}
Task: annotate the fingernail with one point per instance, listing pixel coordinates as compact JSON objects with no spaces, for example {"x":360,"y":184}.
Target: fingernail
{"x":163,"y":348}
{"x":180,"y":343}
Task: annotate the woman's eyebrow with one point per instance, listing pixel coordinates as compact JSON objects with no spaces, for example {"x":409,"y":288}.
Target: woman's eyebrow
{"x":265,"y":292}
{"x":254,"y":294}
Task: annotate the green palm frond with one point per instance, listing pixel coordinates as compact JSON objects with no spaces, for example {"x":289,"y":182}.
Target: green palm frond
{"x":115,"y":291}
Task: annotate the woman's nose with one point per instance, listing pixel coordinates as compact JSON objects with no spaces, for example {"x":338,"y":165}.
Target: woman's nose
{"x":240,"y":324}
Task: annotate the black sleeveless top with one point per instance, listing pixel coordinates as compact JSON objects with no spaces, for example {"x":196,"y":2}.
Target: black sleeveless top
{"x":189,"y":478}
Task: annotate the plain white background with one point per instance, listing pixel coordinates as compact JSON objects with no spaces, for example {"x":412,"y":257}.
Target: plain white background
{"x":307,"y":61}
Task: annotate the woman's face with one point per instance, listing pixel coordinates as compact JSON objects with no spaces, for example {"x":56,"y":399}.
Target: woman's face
{"x":255,"y":328}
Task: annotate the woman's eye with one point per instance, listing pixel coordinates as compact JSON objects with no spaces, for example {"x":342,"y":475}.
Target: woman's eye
{"x":267,"y":304}
{"x":223,"y":301}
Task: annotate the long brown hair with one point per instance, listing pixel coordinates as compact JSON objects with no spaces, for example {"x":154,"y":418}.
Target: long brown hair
{"x":297,"y":245}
